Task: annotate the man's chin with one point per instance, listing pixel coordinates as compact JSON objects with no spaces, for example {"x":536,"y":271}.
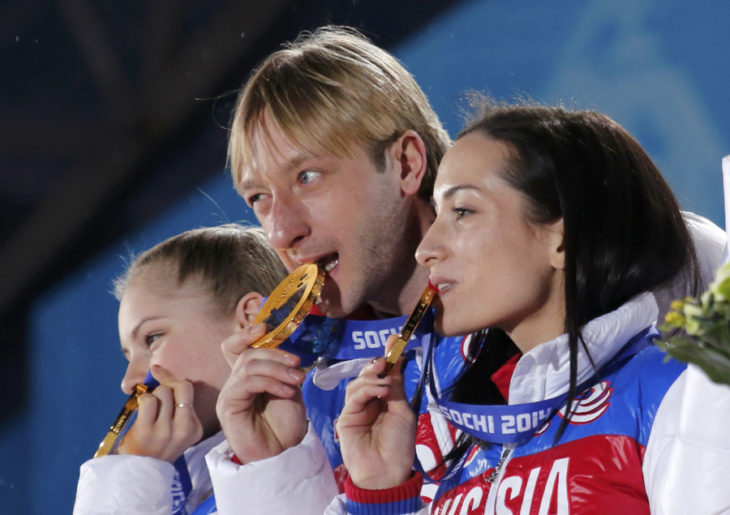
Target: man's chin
{"x":331,"y":309}
{"x":330,"y":300}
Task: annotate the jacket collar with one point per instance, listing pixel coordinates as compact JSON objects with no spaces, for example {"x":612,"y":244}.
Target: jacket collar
{"x":544,"y":371}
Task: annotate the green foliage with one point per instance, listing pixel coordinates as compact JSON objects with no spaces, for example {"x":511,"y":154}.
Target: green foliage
{"x":698,"y":330}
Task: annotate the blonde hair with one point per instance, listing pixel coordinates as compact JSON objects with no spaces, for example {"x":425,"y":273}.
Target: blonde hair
{"x":331,"y":90}
{"x":229,"y":260}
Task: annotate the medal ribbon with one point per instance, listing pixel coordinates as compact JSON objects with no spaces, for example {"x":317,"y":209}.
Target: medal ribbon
{"x":206,"y":507}
{"x":513,"y":424}
{"x":341,"y":340}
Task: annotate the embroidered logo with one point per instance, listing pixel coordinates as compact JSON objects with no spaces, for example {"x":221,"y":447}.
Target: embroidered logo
{"x":590,"y":405}
{"x":178,"y":494}
{"x":467,"y":353}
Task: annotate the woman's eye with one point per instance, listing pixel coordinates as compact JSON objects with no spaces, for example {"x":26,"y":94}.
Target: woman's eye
{"x":461,"y":212}
{"x":152,"y":338}
{"x":307,"y":176}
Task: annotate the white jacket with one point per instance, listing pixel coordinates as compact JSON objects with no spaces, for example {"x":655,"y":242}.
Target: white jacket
{"x":128,"y":484}
{"x":299,"y":480}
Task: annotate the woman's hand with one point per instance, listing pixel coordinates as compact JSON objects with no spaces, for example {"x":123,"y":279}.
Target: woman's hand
{"x":260,"y":407}
{"x":377,"y":428}
{"x":166,"y":423}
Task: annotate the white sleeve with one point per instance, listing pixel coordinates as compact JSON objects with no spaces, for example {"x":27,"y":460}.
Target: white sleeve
{"x":299,"y":480}
{"x":338,"y":506}
{"x":124,"y":484}
{"x":687,"y":461}
{"x":709,"y":241}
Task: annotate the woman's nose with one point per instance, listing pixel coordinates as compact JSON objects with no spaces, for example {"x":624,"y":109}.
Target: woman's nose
{"x":429,"y":251}
{"x":135,"y":374}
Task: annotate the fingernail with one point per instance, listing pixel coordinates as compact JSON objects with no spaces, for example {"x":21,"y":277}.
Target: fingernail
{"x":288,"y":390}
{"x":290,"y":359}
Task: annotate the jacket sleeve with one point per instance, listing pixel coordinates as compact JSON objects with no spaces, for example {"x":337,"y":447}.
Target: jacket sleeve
{"x":124,"y":484}
{"x":403,"y":499}
{"x":687,"y":459}
{"x":299,"y":480}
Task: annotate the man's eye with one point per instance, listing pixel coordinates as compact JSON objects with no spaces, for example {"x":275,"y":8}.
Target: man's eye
{"x":307,"y":176}
{"x":252,"y":199}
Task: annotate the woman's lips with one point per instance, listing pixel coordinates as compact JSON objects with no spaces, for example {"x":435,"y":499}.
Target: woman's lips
{"x":441,"y":284}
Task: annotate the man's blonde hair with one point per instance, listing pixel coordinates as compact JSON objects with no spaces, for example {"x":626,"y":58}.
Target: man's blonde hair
{"x":330,"y":91}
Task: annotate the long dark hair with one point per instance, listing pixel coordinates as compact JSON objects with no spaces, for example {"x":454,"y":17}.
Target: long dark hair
{"x":623,"y":230}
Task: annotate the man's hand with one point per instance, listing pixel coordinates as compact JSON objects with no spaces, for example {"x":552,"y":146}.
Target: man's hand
{"x":260,"y":406}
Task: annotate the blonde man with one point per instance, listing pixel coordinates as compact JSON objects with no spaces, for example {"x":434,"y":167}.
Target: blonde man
{"x":335,"y":148}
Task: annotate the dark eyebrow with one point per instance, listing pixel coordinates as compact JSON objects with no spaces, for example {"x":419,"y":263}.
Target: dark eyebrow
{"x":454,"y":189}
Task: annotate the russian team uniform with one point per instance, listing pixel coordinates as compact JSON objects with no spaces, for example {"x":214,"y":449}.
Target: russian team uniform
{"x":323,"y":407}
{"x":638,"y":441}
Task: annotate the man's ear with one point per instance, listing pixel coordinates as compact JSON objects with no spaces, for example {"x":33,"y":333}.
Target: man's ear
{"x":556,"y":247}
{"x":247,"y":308}
{"x":408,"y":155}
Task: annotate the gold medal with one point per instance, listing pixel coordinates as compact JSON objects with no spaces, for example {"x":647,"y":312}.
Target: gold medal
{"x":289,"y":304}
{"x":107,"y":444}
{"x":395,"y":352}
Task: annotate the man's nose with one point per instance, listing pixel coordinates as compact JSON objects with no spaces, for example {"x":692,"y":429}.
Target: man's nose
{"x":287,"y":224}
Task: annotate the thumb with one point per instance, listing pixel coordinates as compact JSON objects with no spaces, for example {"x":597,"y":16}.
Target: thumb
{"x":163,"y":375}
{"x":390,"y":342}
{"x":241,"y":340}
{"x":393,"y":354}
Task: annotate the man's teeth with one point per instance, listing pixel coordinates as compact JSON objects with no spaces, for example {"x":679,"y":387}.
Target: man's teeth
{"x":328,"y":264}
{"x":442,"y":286}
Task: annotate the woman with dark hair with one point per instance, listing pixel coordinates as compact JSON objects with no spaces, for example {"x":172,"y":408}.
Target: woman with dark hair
{"x":552,"y":229}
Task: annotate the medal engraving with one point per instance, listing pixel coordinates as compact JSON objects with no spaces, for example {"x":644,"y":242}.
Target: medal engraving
{"x":289,"y":304}
{"x":107,"y":444}
{"x":395,"y":352}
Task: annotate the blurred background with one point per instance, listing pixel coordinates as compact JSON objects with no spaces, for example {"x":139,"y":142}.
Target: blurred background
{"x":113,"y":133}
